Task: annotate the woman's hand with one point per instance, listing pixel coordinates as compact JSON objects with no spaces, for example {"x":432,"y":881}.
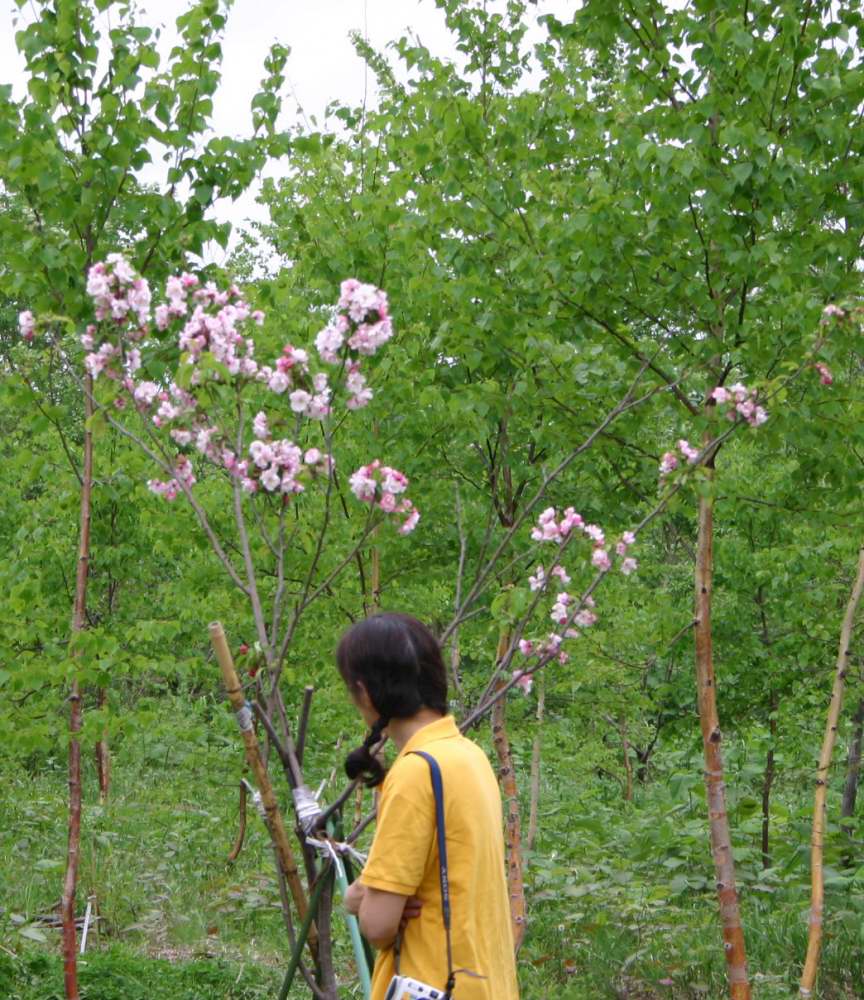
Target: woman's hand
{"x":354,"y":897}
{"x":412,"y":910}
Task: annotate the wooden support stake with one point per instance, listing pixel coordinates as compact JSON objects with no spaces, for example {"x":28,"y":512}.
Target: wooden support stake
{"x":275,"y":823}
{"x":817,"y":874}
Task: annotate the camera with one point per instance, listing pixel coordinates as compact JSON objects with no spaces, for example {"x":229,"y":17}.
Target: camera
{"x":404,"y":988}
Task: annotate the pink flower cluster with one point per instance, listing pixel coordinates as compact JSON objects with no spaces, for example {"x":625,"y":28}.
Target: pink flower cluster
{"x":550,"y":529}
{"x":361,"y":325}
{"x":183,"y":476}
{"x":669,"y":460}
{"x":567,"y":612}
{"x":825,"y":376}
{"x":117,"y":292}
{"x":743,"y":402}
{"x":216,"y":341}
{"x":277,"y":466}
{"x":27,"y":325}
{"x":381,"y":485}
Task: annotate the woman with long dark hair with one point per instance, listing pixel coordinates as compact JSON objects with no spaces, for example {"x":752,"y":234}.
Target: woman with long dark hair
{"x":392,"y":666}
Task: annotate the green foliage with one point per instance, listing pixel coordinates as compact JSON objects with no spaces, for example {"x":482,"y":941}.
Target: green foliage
{"x":669,"y":194}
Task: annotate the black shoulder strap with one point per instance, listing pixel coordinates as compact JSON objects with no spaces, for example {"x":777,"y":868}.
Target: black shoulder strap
{"x":438,"y":790}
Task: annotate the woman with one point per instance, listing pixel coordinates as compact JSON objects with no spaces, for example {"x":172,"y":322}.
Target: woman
{"x":393,"y":668}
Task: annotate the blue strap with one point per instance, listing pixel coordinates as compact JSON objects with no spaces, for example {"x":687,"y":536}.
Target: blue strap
{"x":438,"y":790}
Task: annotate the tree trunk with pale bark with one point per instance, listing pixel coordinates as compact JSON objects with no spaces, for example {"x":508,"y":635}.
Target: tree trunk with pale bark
{"x":79,"y":621}
{"x":817,"y":842}
{"x":721,"y":841}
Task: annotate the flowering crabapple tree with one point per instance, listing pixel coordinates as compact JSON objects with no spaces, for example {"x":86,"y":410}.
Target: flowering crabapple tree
{"x":227,"y":429}
{"x":263,"y":429}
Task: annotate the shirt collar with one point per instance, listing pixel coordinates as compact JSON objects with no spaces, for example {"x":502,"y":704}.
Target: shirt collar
{"x":440,"y":729}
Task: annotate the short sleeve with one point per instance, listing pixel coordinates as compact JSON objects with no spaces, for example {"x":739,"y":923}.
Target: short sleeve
{"x":405,"y":830}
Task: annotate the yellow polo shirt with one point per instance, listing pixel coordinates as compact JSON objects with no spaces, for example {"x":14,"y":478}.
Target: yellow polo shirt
{"x":404,"y":860}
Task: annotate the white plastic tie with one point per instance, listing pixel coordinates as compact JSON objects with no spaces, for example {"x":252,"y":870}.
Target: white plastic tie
{"x":307,"y":808}
{"x":244,"y":718}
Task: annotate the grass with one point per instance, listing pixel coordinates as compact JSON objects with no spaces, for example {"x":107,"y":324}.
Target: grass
{"x":620,"y":895}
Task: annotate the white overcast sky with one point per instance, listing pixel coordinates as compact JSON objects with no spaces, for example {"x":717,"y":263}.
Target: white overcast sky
{"x":322,"y":67}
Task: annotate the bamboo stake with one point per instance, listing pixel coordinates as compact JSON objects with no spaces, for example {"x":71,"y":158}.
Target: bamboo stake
{"x":275,"y":824}
{"x":507,"y":777}
{"x":79,"y":615}
{"x":817,"y":874}
{"x":721,"y":840}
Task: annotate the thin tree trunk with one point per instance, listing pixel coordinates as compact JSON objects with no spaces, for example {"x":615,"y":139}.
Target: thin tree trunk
{"x":817,"y":875}
{"x":853,"y":767}
{"x":275,"y":823}
{"x":103,"y":755}
{"x":628,"y":765}
{"x":507,"y":777}
{"x":326,"y":973}
{"x":767,"y":782}
{"x":536,"y":753}
{"x":721,"y":846}
{"x":79,"y":617}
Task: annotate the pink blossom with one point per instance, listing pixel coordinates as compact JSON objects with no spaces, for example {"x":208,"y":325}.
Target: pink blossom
{"x":360,"y":393}
{"x":387,"y":503}
{"x":319,"y":405}
{"x":688,"y":451}
{"x":547,"y":530}
{"x":363,"y":484}
{"x":328,"y":343}
{"x":279,"y":382}
{"x":523,"y":681}
{"x":300,"y":400}
{"x":538,"y":581}
{"x":271,"y":479}
{"x":27,"y":325}
{"x":569,"y":521}
{"x":825,"y":376}
{"x":133,"y":360}
{"x":595,"y":533}
{"x":410,"y":522}
{"x":182,"y":437}
{"x":720,"y":395}
{"x":145,"y":393}
{"x":167,"y":490}
{"x":257,"y":317}
{"x":668,"y":462}
{"x":832,"y":311}
{"x":260,"y":427}
{"x":561,"y":573}
{"x":526,"y":648}
{"x":393,"y":481}
{"x":600,"y":559}
{"x":585,"y":618}
{"x":312,"y":457}
{"x":629,"y":565}
{"x":262,"y":453}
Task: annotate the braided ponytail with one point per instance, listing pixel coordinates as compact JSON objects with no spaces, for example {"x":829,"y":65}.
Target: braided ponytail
{"x":362,"y":761}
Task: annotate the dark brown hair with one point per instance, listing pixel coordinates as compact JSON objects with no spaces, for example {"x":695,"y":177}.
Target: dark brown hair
{"x":398,"y":660}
